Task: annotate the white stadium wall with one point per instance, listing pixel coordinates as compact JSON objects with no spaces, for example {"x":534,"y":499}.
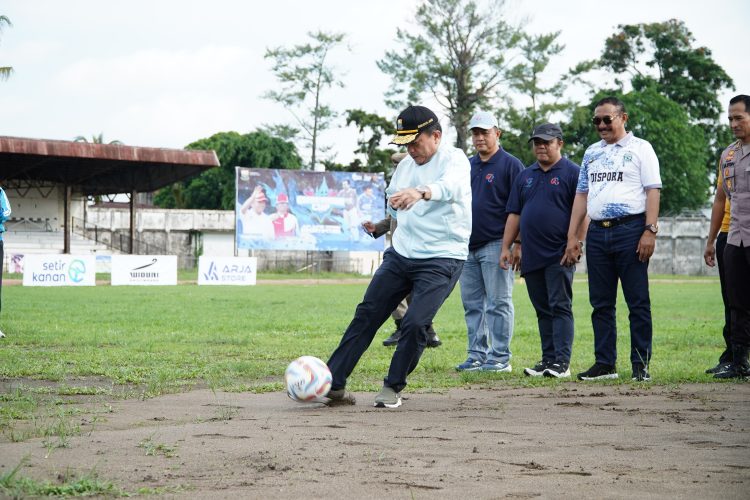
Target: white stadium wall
{"x":679,"y":247}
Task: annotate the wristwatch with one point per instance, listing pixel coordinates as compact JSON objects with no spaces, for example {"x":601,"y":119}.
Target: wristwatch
{"x":654,"y":228}
{"x":422,"y":190}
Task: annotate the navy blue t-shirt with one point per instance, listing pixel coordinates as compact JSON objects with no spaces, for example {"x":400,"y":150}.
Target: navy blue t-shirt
{"x":545,"y":201}
{"x":491,"y":183}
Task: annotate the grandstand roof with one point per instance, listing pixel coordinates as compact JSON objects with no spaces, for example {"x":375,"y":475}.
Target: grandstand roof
{"x":96,"y":169}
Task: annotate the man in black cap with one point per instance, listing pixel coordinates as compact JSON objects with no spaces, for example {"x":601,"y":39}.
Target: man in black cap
{"x":540,"y":204}
{"x":376,"y":230}
{"x":430,"y":196}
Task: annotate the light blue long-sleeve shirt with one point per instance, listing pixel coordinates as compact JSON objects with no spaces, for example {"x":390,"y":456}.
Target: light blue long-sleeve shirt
{"x":439,"y":227}
{"x":4,"y":211}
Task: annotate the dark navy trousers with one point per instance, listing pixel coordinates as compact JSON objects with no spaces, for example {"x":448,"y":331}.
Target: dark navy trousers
{"x":551,"y":293}
{"x":430,"y":282}
{"x":611,"y":255}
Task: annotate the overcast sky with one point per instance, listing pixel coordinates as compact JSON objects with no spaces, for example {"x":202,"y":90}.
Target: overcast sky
{"x":165,"y":73}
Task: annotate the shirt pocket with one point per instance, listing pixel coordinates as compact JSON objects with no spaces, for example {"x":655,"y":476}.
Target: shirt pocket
{"x":729,"y":177}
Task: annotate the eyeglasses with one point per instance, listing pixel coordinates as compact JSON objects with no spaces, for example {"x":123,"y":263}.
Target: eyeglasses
{"x":606,"y":119}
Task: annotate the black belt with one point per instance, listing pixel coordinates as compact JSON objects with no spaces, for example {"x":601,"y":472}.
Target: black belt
{"x":617,"y":221}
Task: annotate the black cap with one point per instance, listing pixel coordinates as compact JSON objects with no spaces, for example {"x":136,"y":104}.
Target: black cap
{"x":547,"y":132}
{"x":411,"y":122}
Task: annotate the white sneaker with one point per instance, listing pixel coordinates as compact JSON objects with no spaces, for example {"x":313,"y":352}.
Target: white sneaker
{"x":557,"y":370}
{"x":2,"y":335}
{"x":387,"y":398}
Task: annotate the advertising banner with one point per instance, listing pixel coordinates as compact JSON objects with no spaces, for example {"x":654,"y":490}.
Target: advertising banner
{"x":306,"y":210}
{"x":59,"y":270}
{"x":227,"y":270}
{"x":144,"y":270}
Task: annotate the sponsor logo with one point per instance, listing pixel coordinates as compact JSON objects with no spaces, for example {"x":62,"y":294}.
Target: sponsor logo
{"x":77,"y":271}
{"x":555,"y":181}
{"x":211,"y":275}
{"x":490,"y":178}
{"x":229,"y":273}
{"x":139,"y":273}
{"x":60,"y":272}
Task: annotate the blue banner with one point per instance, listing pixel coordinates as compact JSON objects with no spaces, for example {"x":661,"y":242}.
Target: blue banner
{"x":306,"y":210}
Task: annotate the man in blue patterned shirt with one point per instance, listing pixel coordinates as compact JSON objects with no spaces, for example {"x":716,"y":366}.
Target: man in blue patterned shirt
{"x":4,"y":215}
{"x":619,"y":189}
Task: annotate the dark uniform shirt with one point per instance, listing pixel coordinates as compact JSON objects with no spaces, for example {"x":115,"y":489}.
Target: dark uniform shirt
{"x":491,"y":183}
{"x":545,"y":201}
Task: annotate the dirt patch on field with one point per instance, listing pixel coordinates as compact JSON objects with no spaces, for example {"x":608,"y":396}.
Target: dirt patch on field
{"x":573,"y":440}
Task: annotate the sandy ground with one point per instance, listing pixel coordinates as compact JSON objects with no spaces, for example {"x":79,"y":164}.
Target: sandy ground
{"x":573,"y":440}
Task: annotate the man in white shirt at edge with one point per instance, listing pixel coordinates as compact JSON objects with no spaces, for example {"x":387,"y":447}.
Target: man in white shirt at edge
{"x":430,"y":196}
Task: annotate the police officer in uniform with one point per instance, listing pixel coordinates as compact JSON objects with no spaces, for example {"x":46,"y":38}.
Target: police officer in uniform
{"x":735,"y":178}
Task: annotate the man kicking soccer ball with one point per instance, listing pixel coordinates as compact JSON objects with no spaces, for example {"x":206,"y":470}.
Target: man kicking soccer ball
{"x":430,"y":196}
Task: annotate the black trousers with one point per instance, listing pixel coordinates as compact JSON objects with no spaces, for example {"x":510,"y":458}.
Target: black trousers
{"x":737,"y":265}
{"x":429,"y":281}
{"x":721,"y":244}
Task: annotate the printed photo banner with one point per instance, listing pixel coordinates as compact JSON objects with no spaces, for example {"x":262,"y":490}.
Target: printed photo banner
{"x":306,"y":210}
{"x":227,"y":270}
{"x":144,"y":270}
{"x":58,"y":270}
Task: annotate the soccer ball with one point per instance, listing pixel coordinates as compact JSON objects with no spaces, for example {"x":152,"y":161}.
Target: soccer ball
{"x":307,"y":379}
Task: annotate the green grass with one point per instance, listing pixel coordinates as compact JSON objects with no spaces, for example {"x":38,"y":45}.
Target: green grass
{"x":71,"y":351}
{"x":166,"y":339}
{"x":14,"y":486}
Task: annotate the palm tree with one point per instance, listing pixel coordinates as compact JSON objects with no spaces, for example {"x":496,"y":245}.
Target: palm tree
{"x":5,"y":71}
{"x":96,"y":139}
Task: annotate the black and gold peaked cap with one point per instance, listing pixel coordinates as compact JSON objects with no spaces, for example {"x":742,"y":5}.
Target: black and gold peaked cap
{"x":411,"y":122}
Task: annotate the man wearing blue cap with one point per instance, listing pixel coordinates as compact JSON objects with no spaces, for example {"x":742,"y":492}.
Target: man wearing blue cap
{"x":430,"y":197}
{"x":486,"y":288}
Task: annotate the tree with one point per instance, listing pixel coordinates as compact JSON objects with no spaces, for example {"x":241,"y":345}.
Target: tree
{"x":304,"y":73}
{"x":214,"y":189}
{"x":96,"y":139}
{"x":682,"y":148}
{"x":5,"y":71}
{"x":525,"y":78}
{"x":457,"y":55}
{"x":372,"y":129}
{"x":662,"y":54}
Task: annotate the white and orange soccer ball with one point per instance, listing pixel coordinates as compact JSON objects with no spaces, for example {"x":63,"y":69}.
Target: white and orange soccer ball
{"x":308,"y":379}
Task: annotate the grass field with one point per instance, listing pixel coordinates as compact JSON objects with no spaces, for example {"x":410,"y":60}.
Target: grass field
{"x":162,"y":339}
{"x":71,"y":351}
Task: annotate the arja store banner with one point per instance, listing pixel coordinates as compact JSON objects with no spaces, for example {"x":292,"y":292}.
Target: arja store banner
{"x":144,"y":270}
{"x":227,"y":270}
{"x":59,"y":270}
{"x":306,"y":210}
